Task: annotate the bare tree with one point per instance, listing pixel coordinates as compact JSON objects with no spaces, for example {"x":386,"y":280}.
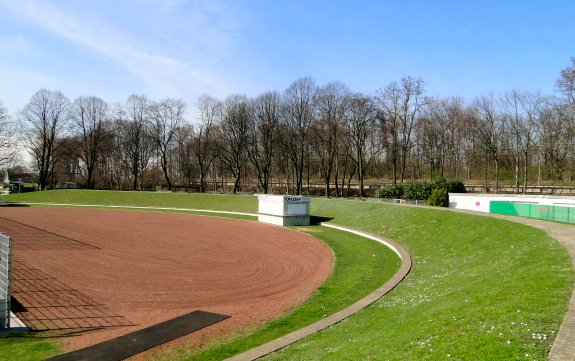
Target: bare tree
{"x":113,"y":169}
{"x":344,"y":168}
{"x":205,"y":134}
{"x":430,"y":136}
{"x":439,"y":134}
{"x":523,"y":111}
{"x":183,"y":138}
{"x":566,"y":85}
{"x":134,"y":138}
{"x":511,"y":104}
{"x":400,"y":106}
{"x":566,"y":82}
{"x":490,"y":129}
{"x":234,"y":136}
{"x":89,"y":116}
{"x":555,"y":132}
{"x":166,"y":116}
{"x":8,"y":147}
{"x":329,"y":107}
{"x":262,"y":135}
{"x":43,"y":122}
{"x":364,"y":134}
{"x":297,"y":116}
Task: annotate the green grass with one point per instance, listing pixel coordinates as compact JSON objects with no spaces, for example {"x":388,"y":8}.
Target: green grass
{"x":24,"y":346}
{"x":238,"y":203}
{"x":480,"y":288}
{"x":245,"y":217}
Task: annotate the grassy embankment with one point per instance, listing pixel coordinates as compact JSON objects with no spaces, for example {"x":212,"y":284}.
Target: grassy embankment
{"x":480,"y":288}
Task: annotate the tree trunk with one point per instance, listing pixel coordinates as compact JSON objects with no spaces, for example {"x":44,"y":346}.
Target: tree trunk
{"x":202,"y":181}
{"x":335,"y":178}
{"x":349,"y":182}
{"x":394,"y":169}
{"x":89,"y":178}
{"x":517,"y":174}
{"x":165,"y":169}
{"x":496,"y":175}
{"x":236,"y":184}
{"x":525,"y":172}
{"x":360,"y":172}
{"x":135,"y":181}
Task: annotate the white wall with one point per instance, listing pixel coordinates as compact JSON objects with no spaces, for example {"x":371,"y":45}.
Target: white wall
{"x":283,"y":205}
{"x":284,"y":210}
{"x":480,"y":202}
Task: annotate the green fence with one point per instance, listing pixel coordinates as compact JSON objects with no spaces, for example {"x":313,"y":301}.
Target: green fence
{"x":552,"y":213}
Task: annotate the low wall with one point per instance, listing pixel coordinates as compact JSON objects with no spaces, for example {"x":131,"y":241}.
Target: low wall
{"x":541,"y":207}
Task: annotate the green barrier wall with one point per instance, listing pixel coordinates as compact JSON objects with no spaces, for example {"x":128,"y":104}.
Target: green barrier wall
{"x":552,"y":213}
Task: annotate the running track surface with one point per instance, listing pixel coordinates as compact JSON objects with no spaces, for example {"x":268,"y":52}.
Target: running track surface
{"x":110,"y":272}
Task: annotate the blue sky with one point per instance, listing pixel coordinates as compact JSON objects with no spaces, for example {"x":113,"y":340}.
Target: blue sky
{"x":181,"y":49}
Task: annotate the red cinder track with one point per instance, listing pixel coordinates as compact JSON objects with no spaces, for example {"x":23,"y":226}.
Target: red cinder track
{"x":136,"y":269}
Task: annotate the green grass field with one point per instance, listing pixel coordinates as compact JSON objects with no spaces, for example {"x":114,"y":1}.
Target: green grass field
{"x":24,"y":346}
{"x":150,"y":199}
{"x":480,"y":288}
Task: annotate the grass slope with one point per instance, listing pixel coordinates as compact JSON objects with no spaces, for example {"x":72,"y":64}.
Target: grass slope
{"x":480,"y":288}
{"x":150,"y":199}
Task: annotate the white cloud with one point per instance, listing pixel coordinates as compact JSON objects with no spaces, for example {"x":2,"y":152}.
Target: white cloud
{"x":199,"y":33}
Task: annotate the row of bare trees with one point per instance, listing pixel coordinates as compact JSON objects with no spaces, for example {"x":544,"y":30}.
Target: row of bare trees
{"x":7,"y":138}
{"x":305,"y":134}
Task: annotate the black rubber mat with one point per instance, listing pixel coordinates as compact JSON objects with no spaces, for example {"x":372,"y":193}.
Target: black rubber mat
{"x":133,"y":343}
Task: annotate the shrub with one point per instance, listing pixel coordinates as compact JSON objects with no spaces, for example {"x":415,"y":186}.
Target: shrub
{"x":419,"y":191}
{"x":439,"y":197}
{"x":455,"y":186}
{"x":391,"y":191}
{"x":452,"y":186}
